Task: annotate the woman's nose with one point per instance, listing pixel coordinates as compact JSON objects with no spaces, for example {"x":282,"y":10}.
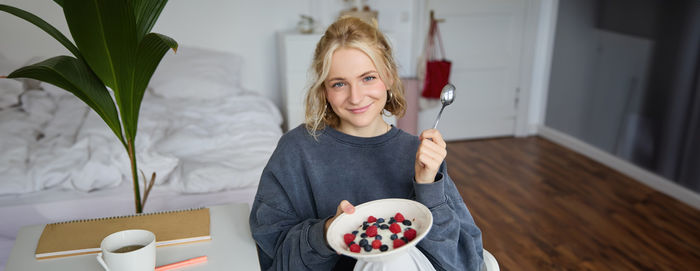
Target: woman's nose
{"x":355,"y":94}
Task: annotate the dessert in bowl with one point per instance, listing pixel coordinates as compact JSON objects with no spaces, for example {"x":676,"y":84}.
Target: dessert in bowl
{"x":389,"y":227}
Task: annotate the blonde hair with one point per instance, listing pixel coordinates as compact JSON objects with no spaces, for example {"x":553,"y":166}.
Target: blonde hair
{"x":351,"y":32}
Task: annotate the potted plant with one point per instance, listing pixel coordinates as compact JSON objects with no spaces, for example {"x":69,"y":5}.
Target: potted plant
{"x":113,"y":49}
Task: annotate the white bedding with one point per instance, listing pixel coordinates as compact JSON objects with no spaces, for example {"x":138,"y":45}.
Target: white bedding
{"x":193,"y":146}
{"x":199,"y":131}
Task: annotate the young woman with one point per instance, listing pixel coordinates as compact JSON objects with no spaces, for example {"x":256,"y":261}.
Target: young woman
{"x":347,"y":154}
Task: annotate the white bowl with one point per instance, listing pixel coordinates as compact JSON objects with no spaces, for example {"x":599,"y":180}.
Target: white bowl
{"x":346,"y":223}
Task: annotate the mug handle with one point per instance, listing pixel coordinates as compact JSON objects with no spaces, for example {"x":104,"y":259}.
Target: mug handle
{"x":101,"y":261}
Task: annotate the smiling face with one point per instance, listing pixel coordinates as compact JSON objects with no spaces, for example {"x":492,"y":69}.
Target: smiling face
{"x":356,"y":93}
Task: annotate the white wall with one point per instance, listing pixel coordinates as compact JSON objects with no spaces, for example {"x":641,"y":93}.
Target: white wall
{"x":21,"y":40}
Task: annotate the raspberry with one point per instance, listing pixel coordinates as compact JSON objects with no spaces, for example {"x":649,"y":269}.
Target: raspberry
{"x":410,"y":234}
{"x":371,"y":219}
{"x":398,"y":243}
{"x":398,"y":217}
{"x":355,"y":248}
{"x":376,"y":244}
{"x":395,"y":228}
{"x":348,"y":237}
{"x":371,"y":231}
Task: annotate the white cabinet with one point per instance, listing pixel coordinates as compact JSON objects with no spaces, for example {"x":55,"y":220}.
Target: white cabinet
{"x":296,"y":52}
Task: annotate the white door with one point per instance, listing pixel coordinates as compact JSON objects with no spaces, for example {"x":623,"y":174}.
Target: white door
{"x":483,"y":39}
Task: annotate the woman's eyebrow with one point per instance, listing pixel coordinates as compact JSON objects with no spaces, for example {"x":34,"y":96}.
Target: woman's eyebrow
{"x":367,"y":73}
{"x":336,"y":79}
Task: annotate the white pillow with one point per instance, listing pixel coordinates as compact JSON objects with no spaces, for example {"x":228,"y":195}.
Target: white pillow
{"x":195,"y":73}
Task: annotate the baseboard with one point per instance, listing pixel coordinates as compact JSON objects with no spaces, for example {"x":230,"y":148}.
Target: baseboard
{"x":532,"y":129}
{"x":642,"y":175}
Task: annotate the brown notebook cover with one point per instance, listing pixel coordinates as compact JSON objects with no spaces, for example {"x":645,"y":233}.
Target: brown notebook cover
{"x":84,"y":236}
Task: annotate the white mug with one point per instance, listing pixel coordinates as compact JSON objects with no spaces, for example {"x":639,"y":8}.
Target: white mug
{"x":129,"y":250}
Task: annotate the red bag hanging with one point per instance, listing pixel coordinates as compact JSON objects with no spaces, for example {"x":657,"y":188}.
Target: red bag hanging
{"x":437,"y":71}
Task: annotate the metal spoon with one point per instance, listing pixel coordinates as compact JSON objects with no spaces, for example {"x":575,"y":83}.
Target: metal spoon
{"x":446,"y":97}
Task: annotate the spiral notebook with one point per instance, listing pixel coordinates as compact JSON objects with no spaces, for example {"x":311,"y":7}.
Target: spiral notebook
{"x":84,"y":236}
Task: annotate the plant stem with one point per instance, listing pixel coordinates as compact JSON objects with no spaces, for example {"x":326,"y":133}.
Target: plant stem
{"x":134,"y":174}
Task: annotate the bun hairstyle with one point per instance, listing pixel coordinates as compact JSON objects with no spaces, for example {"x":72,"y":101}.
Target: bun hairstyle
{"x":351,"y":32}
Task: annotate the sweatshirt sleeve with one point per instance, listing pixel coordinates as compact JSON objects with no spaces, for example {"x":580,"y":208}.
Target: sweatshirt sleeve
{"x":286,"y":242}
{"x":454,"y":241}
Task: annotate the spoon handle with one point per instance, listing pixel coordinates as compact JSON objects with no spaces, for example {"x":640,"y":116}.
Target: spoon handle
{"x":438,"y":117}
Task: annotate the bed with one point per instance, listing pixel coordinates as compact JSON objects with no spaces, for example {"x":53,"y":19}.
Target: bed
{"x":205,"y":136}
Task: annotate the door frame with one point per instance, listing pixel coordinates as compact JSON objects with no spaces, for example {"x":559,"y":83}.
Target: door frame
{"x":535,"y":62}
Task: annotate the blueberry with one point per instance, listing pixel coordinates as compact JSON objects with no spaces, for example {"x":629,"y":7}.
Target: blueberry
{"x":364,"y":227}
{"x":384,"y":227}
{"x":363,"y":242}
{"x":384,"y":248}
{"x":354,"y":232}
{"x":392,"y":220}
{"x":365,"y":223}
{"x":376,"y":224}
{"x":378,"y":237}
{"x":368,"y":248}
{"x":404,"y":239}
{"x":351,"y":243}
{"x":363,"y":235}
{"x":407,"y":228}
{"x":394,"y":236}
{"x":380,"y":220}
{"x":407,"y":222}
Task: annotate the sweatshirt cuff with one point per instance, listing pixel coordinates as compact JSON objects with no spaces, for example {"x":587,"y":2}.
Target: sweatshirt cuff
{"x":317,"y":239}
{"x":431,"y":194}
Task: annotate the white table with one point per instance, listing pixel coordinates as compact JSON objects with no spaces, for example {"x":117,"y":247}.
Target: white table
{"x":231,"y":248}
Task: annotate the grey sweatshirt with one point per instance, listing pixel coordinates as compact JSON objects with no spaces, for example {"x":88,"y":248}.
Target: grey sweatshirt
{"x":305,"y":180}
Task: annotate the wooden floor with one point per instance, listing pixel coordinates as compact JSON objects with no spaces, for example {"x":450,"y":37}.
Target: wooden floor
{"x":541,"y":206}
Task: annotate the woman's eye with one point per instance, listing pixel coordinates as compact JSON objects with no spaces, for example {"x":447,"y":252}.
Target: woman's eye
{"x":369,"y":78}
{"x":337,"y":85}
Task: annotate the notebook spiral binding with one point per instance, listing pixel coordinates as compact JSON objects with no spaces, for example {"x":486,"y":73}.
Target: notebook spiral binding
{"x":125,"y":216}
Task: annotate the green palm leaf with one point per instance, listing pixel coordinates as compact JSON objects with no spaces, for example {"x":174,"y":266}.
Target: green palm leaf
{"x":73,"y":75}
{"x":105,"y":33}
{"x":146,"y":13}
{"x":43,"y":25}
{"x":149,"y":54}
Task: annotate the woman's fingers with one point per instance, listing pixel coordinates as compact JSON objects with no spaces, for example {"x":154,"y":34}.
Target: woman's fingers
{"x":435,"y":136}
{"x":428,"y":146}
{"x":431,"y":152}
{"x":345,"y":207}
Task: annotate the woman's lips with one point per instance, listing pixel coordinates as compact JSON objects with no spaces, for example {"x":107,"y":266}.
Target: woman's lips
{"x":360,"y":110}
